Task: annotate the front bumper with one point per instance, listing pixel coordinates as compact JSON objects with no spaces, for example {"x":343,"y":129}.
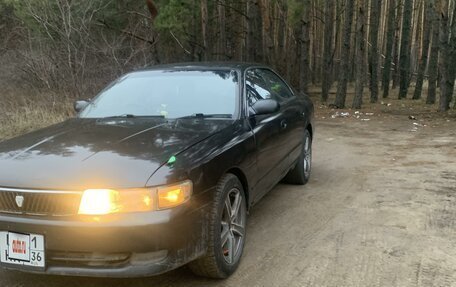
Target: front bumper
{"x":121,"y":245}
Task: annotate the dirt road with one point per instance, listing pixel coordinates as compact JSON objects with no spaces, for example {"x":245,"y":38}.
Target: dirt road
{"x":380,"y":210}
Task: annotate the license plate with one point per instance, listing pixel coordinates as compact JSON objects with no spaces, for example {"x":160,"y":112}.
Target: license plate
{"x":22,"y":249}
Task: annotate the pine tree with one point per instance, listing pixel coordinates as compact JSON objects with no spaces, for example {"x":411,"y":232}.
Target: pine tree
{"x":305,"y":46}
{"x":404,"y":62}
{"x":434,"y":57}
{"x":373,"y":55}
{"x":327,"y":50}
{"x":446,"y":61}
{"x":389,"y":48}
{"x":204,"y":30}
{"x":344,"y":66}
{"x":429,"y":9}
{"x":360,"y":46}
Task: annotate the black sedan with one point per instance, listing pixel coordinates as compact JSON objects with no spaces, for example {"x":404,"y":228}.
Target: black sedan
{"x":157,"y":171}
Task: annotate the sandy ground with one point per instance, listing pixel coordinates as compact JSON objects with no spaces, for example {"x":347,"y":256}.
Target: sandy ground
{"x":380,"y":210}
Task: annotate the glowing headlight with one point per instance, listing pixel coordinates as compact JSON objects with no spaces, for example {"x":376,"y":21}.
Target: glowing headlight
{"x":108,"y":201}
{"x":174,"y":195}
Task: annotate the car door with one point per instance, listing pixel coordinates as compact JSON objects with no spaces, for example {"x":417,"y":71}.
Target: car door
{"x":270,"y":131}
{"x":292,"y":113}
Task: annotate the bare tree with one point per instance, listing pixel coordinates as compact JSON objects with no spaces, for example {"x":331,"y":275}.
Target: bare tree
{"x":88,"y":43}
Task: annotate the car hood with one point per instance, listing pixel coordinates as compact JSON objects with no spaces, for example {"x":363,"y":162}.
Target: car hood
{"x":98,"y":153}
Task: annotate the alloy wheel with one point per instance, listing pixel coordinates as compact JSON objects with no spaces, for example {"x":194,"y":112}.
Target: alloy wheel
{"x":307,"y":156}
{"x":233,"y":226}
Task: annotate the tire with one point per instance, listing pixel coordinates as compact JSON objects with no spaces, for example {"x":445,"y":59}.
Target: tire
{"x":300,"y":174}
{"x":224,"y":254}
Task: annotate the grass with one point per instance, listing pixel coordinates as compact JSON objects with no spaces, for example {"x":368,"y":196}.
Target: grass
{"x":19,"y":115}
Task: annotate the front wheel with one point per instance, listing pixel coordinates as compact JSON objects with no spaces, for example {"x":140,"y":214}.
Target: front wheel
{"x":228,"y":220}
{"x":300,"y":174}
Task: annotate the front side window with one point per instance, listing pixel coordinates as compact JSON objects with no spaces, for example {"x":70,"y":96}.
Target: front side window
{"x":171,"y":94}
{"x":265,"y":84}
{"x":277,"y":86}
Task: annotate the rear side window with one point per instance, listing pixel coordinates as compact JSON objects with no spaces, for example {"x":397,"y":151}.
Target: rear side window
{"x":265,"y":84}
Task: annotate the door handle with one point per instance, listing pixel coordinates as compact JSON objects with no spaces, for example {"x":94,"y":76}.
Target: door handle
{"x":283,"y":124}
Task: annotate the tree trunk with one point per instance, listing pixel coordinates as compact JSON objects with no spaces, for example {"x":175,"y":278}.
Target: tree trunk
{"x":446,"y":61}
{"x":204,"y":28}
{"x":404,"y":62}
{"x":433,"y":68}
{"x":222,"y":53}
{"x":428,"y":17}
{"x":327,"y":50}
{"x":417,"y":36}
{"x":265,"y":18}
{"x":360,"y":65}
{"x":305,"y":47}
{"x":389,"y":48}
{"x":259,"y":52}
{"x":281,"y":37}
{"x":254,"y":34}
{"x":337,"y":39}
{"x":250,"y":41}
{"x":344,"y":70}
{"x":373,"y":59}
{"x":397,"y":43}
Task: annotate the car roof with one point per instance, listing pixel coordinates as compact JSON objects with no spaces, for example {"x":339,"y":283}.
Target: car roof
{"x":240,"y":66}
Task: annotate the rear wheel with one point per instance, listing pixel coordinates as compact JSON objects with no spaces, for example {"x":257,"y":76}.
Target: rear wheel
{"x":228,"y":220}
{"x":300,"y":174}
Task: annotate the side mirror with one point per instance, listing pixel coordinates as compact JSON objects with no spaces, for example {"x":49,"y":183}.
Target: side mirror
{"x":80,"y":105}
{"x":265,"y":107}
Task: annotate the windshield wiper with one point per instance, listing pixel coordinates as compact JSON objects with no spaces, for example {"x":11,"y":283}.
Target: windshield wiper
{"x":131,"y":116}
{"x":208,"y":116}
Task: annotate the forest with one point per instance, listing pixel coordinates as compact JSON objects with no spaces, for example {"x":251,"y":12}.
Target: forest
{"x":68,"y":49}
{"x":380,"y":206}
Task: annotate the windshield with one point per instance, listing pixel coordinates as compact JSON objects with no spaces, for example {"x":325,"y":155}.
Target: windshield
{"x":168,"y":94}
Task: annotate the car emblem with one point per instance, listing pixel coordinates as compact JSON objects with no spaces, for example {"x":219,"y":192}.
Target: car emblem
{"x":19,"y":200}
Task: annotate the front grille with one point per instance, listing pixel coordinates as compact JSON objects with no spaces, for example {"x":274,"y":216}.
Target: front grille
{"x":38,"y":202}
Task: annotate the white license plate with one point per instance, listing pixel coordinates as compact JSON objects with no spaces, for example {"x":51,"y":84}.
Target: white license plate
{"x":22,"y":249}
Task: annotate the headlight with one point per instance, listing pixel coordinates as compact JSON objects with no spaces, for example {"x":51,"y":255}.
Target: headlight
{"x":99,"y":201}
{"x":174,"y":195}
{"x":108,"y":201}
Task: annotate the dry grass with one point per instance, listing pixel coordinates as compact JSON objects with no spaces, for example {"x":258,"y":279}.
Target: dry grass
{"x":414,"y":111}
{"x":19,"y":115}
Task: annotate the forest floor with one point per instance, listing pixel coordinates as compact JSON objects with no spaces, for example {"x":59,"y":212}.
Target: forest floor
{"x":379,"y":210}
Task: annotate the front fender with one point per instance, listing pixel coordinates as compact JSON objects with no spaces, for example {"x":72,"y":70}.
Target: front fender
{"x":206,"y":162}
